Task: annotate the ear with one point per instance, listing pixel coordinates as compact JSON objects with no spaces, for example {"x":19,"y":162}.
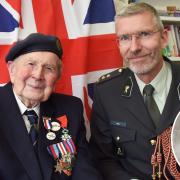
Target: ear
{"x":10,"y":66}
{"x":164,"y":38}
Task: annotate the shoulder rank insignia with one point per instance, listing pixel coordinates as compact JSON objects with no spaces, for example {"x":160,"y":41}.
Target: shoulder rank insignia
{"x":110,"y":75}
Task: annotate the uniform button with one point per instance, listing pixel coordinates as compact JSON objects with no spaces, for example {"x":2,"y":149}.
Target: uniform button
{"x":103,"y":77}
{"x":120,"y":70}
{"x":117,"y":138}
{"x":153,"y":142}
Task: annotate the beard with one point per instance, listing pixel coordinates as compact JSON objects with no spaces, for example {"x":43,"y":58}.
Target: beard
{"x":143,"y":67}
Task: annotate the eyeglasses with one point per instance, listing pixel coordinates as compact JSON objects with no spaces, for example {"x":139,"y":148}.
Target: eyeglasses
{"x":125,"y":39}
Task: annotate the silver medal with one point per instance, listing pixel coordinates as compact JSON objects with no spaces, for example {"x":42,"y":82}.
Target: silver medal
{"x":50,"y":136}
{"x":55,"y":126}
{"x":65,"y":136}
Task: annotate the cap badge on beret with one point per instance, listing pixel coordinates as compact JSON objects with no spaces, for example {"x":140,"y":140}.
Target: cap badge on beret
{"x":58,"y":44}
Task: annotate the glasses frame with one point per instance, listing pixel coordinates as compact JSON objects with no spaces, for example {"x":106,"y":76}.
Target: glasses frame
{"x":138,"y":35}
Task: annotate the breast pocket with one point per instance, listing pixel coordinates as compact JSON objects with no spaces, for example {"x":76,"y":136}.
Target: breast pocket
{"x":124,"y":139}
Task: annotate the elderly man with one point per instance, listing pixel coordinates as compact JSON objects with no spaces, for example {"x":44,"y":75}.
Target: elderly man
{"x":42,"y":134}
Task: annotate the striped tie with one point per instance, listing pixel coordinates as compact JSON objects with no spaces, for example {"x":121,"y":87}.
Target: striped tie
{"x":33,"y":119}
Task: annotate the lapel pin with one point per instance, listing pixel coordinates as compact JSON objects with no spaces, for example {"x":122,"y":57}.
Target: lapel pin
{"x":126,"y":89}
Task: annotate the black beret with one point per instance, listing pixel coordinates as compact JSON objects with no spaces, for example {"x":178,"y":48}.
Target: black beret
{"x":35,"y":42}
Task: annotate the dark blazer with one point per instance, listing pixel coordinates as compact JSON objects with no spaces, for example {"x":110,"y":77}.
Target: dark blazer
{"x":17,"y":157}
{"x":121,"y":128}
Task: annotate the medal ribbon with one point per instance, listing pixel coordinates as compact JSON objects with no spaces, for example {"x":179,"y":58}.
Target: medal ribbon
{"x":54,"y":151}
{"x":47,"y":123}
{"x":63,"y":121}
{"x":69,"y":145}
{"x":61,"y":148}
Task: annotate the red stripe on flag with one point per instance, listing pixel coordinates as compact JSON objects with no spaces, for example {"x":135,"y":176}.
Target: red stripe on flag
{"x":16,"y":4}
{"x":86,"y":105}
{"x":49,"y":17}
{"x":4,"y":77}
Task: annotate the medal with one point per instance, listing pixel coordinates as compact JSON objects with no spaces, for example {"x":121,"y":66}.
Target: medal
{"x":65,"y":135}
{"x":63,"y":166}
{"x":58,"y":167}
{"x":55,"y":126}
{"x":50,"y":136}
{"x":47,"y":123}
{"x":51,"y":126}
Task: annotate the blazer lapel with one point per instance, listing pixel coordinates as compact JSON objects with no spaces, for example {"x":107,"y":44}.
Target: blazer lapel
{"x":17,"y":135}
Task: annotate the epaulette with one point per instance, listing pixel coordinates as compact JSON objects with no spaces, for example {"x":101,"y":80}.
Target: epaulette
{"x":110,"y":75}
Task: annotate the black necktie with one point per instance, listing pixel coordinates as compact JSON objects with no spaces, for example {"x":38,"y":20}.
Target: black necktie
{"x":33,"y":119}
{"x":151,"y":104}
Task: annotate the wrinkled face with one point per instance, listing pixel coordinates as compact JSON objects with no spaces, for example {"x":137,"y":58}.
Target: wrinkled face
{"x":142,"y":54}
{"x":33,"y":76}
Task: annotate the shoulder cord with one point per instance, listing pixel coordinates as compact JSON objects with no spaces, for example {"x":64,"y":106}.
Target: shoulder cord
{"x":164,"y":141}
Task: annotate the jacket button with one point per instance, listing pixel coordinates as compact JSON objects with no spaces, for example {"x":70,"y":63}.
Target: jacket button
{"x":153,"y":142}
{"x":117,"y":138}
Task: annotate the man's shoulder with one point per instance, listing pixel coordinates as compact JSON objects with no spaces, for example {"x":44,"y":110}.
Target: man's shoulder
{"x":64,"y":98}
{"x":118,"y":73}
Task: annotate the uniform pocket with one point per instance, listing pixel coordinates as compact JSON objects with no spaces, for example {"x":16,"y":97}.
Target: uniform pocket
{"x":123,"y":139}
{"x":123,"y":135}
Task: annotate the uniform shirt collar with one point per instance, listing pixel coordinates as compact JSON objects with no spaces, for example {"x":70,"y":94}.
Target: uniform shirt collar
{"x":158,"y":82}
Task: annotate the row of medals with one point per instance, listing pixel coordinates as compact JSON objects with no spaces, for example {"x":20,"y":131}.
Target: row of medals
{"x":66,"y":161}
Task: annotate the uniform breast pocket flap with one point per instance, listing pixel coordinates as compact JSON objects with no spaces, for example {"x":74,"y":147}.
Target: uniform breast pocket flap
{"x":123,"y":135}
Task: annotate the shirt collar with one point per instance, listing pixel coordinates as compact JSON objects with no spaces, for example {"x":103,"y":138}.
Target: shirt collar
{"x":23,"y":108}
{"x":158,"y":82}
